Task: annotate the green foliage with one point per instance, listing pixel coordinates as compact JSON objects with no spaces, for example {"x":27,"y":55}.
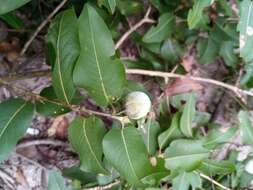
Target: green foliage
{"x":126,"y":151}
{"x":94,"y":67}
{"x":175,"y":144}
{"x":88,"y":133}
{"x":188,"y":115}
{"x":16,"y":116}
{"x":246,"y":127}
{"x":181,"y":150}
{"x":161,"y":31}
{"x":196,"y":17}
{"x":185,"y":180}
{"x":62,"y":36}
{"x":245,"y":27}
{"x":9,"y":5}
{"x":56,"y":181}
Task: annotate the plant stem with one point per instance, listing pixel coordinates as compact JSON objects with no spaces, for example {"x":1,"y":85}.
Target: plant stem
{"x":235,"y":89}
{"x":41,"y":26}
{"x":146,"y":19}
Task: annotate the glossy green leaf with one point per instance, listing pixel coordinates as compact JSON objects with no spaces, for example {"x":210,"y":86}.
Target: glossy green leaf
{"x":195,"y":16}
{"x":185,"y":155}
{"x":217,"y":137}
{"x":188,"y":115}
{"x":63,"y":36}
{"x":126,"y":151}
{"x":101,"y":76}
{"x":16,"y":116}
{"x":85,"y":136}
{"x":149,"y":132}
{"x":227,"y":53}
{"x":245,"y":28}
{"x":161,"y":31}
{"x":9,"y":5}
{"x":56,"y":181}
{"x":185,"y":180}
{"x":171,"y":133}
{"x":213,"y":167}
{"x":245,"y":127}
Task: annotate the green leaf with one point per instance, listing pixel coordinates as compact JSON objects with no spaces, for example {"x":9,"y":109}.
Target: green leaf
{"x":185,"y":155}
{"x":109,"y":4}
{"x":47,"y":108}
{"x":12,"y":20}
{"x":149,"y":133}
{"x":195,"y":16}
{"x":63,"y":37}
{"x":227,"y":53}
{"x":216,"y":137}
{"x":85,"y":136}
{"x":161,"y":31}
{"x":56,"y":181}
{"x":208,"y":50}
{"x":94,"y":68}
{"x":171,"y":133}
{"x":171,"y":50}
{"x":188,"y":115}
{"x":16,"y":116}
{"x":245,"y":28}
{"x":185,"y":180}
{"x":126,"y":151}
{"x":157,"y":175}
{"x":9,"y":5}
{"x":75,"y":173}
{"x":129,"y":7}
{"x":220,"y":167}
{"x":245,"y":127}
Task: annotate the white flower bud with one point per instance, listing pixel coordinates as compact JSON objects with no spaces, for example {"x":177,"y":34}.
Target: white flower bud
{"x":249,"y":167}
{"x":138,"y":104}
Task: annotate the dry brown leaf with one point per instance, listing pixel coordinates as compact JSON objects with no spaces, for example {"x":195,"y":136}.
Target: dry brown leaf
{"x":188,"y":62}
{"x":180,"y":86}
{"x":59,"y":127}
{"x":20,"y":177}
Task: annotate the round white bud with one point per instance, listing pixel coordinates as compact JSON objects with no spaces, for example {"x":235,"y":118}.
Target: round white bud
{"x":138,"y":104}
{"x":249,"y":167}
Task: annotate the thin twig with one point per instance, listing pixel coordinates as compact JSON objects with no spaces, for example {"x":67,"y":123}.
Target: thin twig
{"x":146,"y":19}
{"x":235,"y":89}
{"x":30,"y":161}
{"x":213,"y":181}
{"x":109,"y":186}
{"x":41,"y":142}
{"x":41,"y":26}
{"x":76,"y":108}
{"x":28,"y":75}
